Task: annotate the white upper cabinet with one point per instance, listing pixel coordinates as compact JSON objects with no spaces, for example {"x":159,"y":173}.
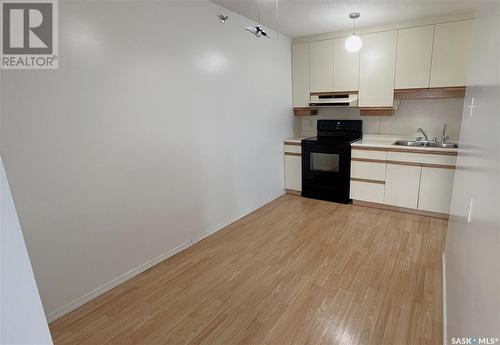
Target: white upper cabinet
{"x":419,"y":57}
{"x":413,"y":61}
{"x":321,"y":66}
{"x":377,"y":62}
{"x":300,"y":74}
{"x":345,"y":67}
{"x":450,"y":57}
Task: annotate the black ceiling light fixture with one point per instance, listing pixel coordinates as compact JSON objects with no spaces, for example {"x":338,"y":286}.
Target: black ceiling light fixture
{"x":257,"y":30}
{"x":222,"y":18}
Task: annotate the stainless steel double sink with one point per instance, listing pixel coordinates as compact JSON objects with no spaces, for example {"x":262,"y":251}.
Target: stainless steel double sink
{"x":425,"y":143}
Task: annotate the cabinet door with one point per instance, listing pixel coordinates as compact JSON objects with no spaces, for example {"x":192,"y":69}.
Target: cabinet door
{"x":413,"y":61}
{"x":402,"y":185}
{"x":300,"y":74}
{"x":436,"y":185}
{"x":321,"y":66}
{"x":450,"y":56}
{"x":377,"y":62}
{"x":293,"y":172}
{"x":345,"y":67}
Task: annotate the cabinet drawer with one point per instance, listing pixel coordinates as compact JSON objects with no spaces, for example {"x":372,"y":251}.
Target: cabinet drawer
{"x":293,"y":148}
{"x":367,"y":191}
{"x":368,"y":170}
{"x":368,"y":154}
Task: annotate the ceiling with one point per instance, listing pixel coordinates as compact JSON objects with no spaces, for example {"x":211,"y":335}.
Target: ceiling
{"x":298,"y":18}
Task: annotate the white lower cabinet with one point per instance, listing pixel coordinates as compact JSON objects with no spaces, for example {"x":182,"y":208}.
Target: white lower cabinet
{"x":436,"y":185}
{"x":367,"y":191}
{"x":293,"y":172}
{"x":402,"y":185}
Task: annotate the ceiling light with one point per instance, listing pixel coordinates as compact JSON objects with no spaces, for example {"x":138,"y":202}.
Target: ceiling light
{"x":353,"y":43}
{"x":222,"y":18}
{"x":257,"y":30}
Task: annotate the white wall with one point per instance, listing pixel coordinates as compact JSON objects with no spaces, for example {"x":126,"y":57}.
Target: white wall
{"x":22,"y":320}
{"x":473,"y":247}
{"x":429,"y":114}
{"x":160,"y":125}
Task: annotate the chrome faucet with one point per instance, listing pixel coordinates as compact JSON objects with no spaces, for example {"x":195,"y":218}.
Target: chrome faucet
{"x":423,"y":133}
{"x":444,"y":137}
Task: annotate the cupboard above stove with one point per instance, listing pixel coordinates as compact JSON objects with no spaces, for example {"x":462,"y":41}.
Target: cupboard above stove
{"x":422,"y":57}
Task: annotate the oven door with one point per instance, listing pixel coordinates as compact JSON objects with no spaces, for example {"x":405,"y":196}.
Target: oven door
{"x":326,"y":171}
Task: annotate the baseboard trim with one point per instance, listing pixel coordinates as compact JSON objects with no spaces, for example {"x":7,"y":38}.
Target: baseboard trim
{"x":114,"y":283}
{"x":443,"y":280}
{"x":58,"y":313}
{"x":292,"y":191}
{"x":400,"y":209}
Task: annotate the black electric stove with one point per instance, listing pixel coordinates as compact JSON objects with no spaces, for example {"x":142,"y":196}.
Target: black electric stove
{"x":326,"y":160}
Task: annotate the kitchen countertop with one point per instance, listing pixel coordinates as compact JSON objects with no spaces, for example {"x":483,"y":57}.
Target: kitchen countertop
{"x":388,"y":143}
{"x":378,"y":141}
{"x":294,"y":140}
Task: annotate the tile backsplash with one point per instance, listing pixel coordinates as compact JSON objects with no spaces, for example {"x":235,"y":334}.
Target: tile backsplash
{"x":429,"y":114}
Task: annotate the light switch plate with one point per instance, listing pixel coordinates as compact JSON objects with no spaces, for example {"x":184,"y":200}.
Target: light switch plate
{"x":471,"y":107}
{"x":471,"y":204}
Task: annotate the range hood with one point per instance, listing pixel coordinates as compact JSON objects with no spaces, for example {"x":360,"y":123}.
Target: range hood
{"x":333,"y":100}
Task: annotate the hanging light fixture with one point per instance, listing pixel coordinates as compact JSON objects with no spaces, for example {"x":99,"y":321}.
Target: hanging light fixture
{"x":257,"y":30}
{"x":353,"y":43}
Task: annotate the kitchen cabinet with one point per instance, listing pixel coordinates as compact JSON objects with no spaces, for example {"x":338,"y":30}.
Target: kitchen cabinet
{"x":413,"y":57}
{"x":377,"y":62}
{"x":419,"y":180}
{"x":293,"y":166}
{"x":321,"y":66}
{"x":345,"y":67}
{"x":367,"y":191}
{"x":450,"y":56}
{"x":427,"y":58}
{"x":300,"y":74}
{"x":436,"y":185}
{"x":293,"y":172}
{"x":368,"y":170}
{"x":402,"y":185}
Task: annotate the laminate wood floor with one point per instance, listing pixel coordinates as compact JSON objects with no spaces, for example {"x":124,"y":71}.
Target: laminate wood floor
{"x":296,"y":271}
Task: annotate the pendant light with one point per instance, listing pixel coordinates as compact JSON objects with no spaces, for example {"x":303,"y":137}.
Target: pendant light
{"x":353,"y":43}
{"x":257,"y":30}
